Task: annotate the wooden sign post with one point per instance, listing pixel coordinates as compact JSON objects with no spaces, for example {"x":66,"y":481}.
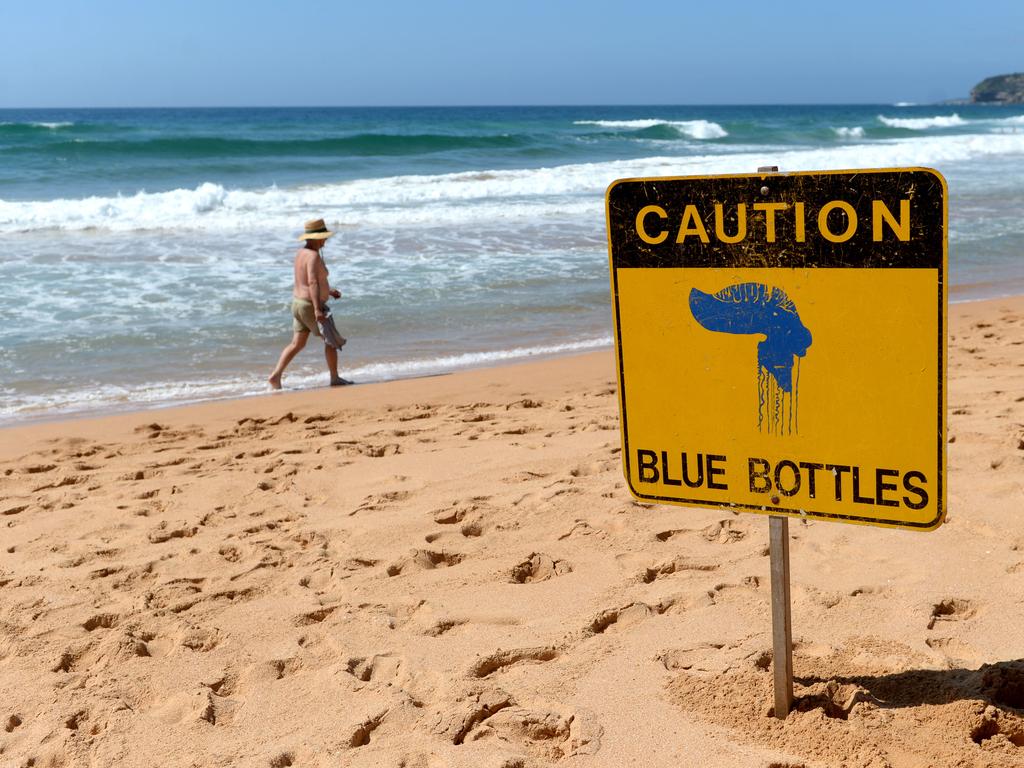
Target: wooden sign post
{"x":782,"y":620}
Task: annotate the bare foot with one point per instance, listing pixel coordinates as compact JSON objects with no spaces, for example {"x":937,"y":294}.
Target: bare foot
{"x":275,"y":381}
{"x":339,"y":382}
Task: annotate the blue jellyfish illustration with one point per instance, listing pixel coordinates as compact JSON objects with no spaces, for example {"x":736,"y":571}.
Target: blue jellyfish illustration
{"x":754,"y":308}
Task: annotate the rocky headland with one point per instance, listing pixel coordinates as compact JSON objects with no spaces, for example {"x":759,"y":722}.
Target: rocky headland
{"x":1000,"y":89}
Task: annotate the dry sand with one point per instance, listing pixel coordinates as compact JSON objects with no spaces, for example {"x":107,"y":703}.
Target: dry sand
{"x":449,"y":572}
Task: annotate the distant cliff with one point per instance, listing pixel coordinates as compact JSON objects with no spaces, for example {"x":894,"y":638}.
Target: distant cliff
{"x":1001,"y":89}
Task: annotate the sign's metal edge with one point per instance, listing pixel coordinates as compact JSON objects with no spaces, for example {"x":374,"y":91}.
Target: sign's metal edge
{"x":776,"y":174}
{"x":613,"y":272}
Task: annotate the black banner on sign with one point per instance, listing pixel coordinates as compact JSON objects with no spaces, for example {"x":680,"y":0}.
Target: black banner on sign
{"x":858,"y":219}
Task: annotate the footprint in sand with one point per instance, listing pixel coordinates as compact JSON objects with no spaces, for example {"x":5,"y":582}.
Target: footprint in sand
{"x":70,"y":659}
{"x":101,"y":621}
{"x":542,"y":732}
{"x":538,"y":567}
{"x":363,"y":730}
{"x":230,"y":552}
{"x":379,"y":668}
{"x":200,"y":639}
{"x":678,"y":565}
{"x":225,"y":684}
{"x":834,"y":699}
{"x":476,"y":418}
{"x":152,"y":430}
{"x":594,"y":468}
{"x":952,"y":649}
{"x":703,"y":657}
{"x":200,"y":704}
{"x":501,"y":660}
{"x":460,"y":511}
{"x":524,"y":477}
{"x":62,"y":481}
{"x":358,"y":563}
{"x":380,"y":501}
{"x":622,"y":618}
{"x":545,"y":734}
{"x":282,"y":668}
{"x":724,"y":532}
{"x":316,"y":616}
{"x":670,"y":534}
{"x":468,"y":711}
{"x":441,"y":626}
{"x":34,"y":469}
{"x":420,"y":411}
{"x":379,"y":451}
{"x":78,"y":721}
{"x":741,"y":591}
{"x":165,"y":532}
{"x":466,"y":530}
{"x":582,"y":528}
{"x":424,"y":559}
{"x":952,"y":609}
{"x":88,"y":557}
{"x":398,"y":715}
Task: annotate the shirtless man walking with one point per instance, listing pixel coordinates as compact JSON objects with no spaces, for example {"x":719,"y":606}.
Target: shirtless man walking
{"x":308,"y":298}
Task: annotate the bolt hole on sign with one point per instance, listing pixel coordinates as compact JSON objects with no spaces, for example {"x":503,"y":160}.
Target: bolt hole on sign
{"x":781,"y":342}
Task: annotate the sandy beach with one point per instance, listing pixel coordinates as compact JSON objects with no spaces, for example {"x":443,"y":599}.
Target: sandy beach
{"x":449,"y":571}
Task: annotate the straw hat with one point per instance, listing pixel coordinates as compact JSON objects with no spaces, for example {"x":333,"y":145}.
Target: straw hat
{"x":316,"y":230}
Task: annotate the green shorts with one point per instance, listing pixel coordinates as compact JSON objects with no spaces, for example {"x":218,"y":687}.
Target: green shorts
{"x":303,"y":317}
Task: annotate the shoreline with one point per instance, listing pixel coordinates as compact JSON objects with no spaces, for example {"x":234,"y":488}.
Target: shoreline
{"x":107,"y":412}
{"x":157,"y":408}
{"x":212,"y":412}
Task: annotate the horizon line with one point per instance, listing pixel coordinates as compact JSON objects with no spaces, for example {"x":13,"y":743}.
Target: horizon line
{"x":944,"y":102}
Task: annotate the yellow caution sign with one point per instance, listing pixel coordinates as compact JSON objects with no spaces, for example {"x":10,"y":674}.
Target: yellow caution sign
{"x":781,"y":342}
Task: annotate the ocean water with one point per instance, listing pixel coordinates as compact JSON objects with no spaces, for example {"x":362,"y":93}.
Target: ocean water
{"x":145,"y":255}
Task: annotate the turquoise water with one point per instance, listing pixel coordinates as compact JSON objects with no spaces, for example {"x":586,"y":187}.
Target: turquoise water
{"x":145,"y":254}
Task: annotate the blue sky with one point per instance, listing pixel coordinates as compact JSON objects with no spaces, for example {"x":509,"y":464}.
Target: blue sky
{"x":216,"y":53}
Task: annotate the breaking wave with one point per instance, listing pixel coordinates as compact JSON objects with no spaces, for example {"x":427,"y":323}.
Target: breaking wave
{"x":856,"y":132}
{"x":466,"y":197}
{"x":693,"y":129}
{"x":923,"y":123}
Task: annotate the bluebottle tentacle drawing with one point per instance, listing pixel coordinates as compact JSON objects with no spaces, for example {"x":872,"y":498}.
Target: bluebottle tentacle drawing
{"x":755,"y":308}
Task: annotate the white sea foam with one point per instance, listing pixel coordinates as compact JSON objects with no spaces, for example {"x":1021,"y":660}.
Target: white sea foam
{"x":148,"y":395}
{"x":409,"y":368}
{"x":51,"y":126}
{"x":856,"y":132}
{"x":470,"y":198}
{"x":694,"y":129}
{"x":1003,"y":124}
{"x":923,"y":123}
{"x":905,"y":104}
